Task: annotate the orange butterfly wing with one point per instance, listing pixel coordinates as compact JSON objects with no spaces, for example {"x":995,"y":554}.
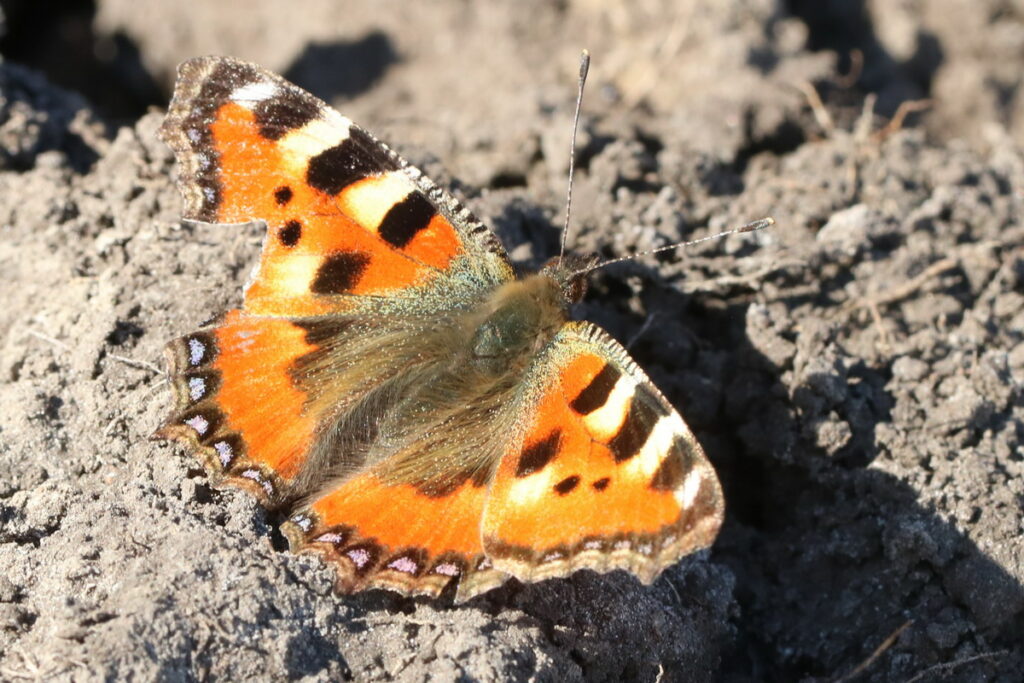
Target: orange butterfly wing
{"x":606,"y":475}
{"x":237,"y":405}
{"x":379,"y":534}
{"x":346,"y":217}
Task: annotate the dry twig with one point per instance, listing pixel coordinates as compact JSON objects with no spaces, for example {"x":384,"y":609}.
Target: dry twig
{"x":145,"y":365}
{"x":821,"y":114}
{"x":909,"y":287}
{"x":50,"y":340}
{"x":896,"y":122}
{"x":879,"y":651}
{"x":949,"y":666}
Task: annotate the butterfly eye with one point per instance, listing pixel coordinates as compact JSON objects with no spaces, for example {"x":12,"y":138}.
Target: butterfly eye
{"x":575,"y":288}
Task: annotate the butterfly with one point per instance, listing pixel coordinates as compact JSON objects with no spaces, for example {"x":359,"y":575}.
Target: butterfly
{"x":422,"y":416}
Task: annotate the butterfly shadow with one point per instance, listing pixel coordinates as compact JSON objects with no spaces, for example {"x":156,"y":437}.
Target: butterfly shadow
{"x":61,"y":40}
{"x":848,"y":30}
{"x":343,"y":69}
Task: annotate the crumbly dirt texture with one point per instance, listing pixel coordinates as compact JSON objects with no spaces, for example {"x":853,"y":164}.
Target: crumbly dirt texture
{"x":854,"y":372}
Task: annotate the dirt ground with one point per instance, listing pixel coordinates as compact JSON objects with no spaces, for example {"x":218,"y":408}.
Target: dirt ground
{"x":854,"y":373}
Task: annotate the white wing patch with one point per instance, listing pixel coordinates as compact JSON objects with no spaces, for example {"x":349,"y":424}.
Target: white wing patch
{"x":655,"y":449}
{"x":302,"y":144}
{"x":369,"y":200}
{"x":691,"y":487}
{"x":605,"y":422}
{"x":254,"y":92}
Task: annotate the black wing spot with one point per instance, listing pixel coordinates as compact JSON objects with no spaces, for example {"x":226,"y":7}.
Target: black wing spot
{"x":405,"y":219}
{"x":357,"y":157}
{"x":340,"y":272}
{"x":290,"y":233}
{"x":669,"y":475}
{"x":283,"y":195}
{"x":287,"y":111}
{"x":445,"y":485}
{"x":635,"y":429}
{"x":537,"y":455}
{"x":566,"y":485}
{"x":601,"y":484}
{"x":597,"y":392}
{"x":323,"y":333}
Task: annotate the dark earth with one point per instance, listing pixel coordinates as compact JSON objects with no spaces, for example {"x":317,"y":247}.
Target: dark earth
{"x":854,"y":372}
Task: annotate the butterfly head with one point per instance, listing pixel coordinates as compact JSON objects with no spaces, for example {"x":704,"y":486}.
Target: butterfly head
{"x":570,"y":272}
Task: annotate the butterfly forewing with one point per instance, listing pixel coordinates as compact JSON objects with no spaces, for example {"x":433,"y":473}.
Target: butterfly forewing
{"x":347,"y":218}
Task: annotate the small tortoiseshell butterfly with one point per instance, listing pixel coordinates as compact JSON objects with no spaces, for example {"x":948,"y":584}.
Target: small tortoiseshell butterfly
{"x":423,"y":416}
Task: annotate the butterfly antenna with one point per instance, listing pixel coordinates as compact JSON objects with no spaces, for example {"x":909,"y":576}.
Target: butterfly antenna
{"x":759,"y":224}
{"x":584,"y":68}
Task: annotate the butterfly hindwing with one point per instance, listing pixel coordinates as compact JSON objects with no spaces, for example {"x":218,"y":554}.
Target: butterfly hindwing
{"x":347,"y":218}
{"x":382,"y":534}
{"x":408,"y":517}
{"x":607,"y":474}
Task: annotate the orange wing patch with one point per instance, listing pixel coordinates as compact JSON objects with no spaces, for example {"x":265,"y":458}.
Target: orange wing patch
{"x":608,"y":476}
{"x":321,"y":244}
{"x":389,"y":206}
{"x":237,"y":404}
{"x":394,"y":536}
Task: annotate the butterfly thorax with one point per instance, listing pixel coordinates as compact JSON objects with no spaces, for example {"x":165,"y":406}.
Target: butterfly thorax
{"x":522,"y":316}
{"x":515,"y":322}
